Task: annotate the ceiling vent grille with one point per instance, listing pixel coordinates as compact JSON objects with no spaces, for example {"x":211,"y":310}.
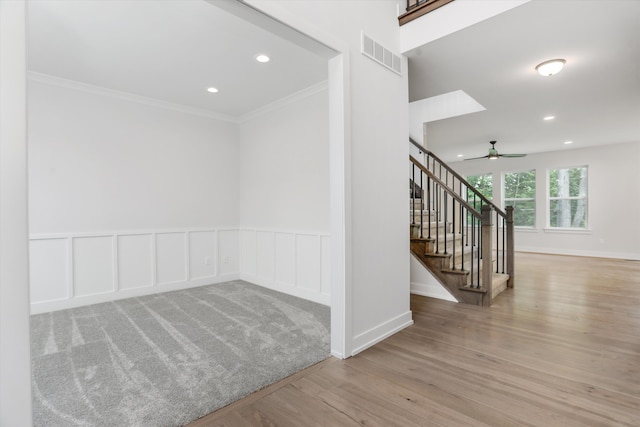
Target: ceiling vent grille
{"x":381,"y":55}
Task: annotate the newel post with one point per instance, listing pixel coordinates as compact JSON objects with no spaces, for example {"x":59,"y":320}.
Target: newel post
{"x":510,"y":247}
{"x":486,"y":248}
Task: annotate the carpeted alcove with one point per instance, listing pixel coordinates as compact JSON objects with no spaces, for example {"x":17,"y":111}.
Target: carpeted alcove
{"x":167,"y":359}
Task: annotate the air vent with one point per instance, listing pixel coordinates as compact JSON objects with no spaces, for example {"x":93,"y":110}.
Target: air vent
{"x":381,"y":55}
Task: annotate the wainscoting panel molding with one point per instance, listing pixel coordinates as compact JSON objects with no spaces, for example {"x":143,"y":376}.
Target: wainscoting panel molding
{"x":265,"y":255}
{"x":135,"y":261}
{"x":171,"y":256}
{"x":202,"y":254}
{"x":49,"y":271}
{"x":93,"y":266}
{"x":248,"y":252}
{"x":325,"y":268}
{"x":285,"y":259}
{"x":309,"y":262}
{"x":228,"y":252}
{"x":72,"y":270}
{"x":296,"y":263}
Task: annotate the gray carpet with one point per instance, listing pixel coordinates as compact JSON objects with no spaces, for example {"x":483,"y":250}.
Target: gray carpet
{"x":168,"y":359}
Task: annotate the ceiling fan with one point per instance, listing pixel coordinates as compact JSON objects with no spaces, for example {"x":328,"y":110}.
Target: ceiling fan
{"x":493,"y":153}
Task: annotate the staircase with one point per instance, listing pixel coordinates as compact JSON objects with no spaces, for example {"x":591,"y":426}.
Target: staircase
{"x":457,"y":234}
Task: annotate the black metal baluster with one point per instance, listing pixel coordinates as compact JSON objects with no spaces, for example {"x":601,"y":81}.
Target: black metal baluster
{"x":438,"y":203}
{"x":437,"y":207}
{"x":445,"y":219}
{"x":473,"y":236}
{"x":479,"y":247}
{"x":504,"y":230}
{"x":413,"y":194}
{"x":462,"y":236}
{"x":497,"y":223}
{"x":466,"y":215}
{"x":429,"y":192}
{"x":453,"y":231}
{"x":421,"y":206}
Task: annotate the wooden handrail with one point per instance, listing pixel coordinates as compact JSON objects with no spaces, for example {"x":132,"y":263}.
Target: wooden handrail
{"x":420,"y":8}
{"x":452,"y":193}
{"x":460,"y":178}
{"x":503,"y":221}
{"x":417,"y":145}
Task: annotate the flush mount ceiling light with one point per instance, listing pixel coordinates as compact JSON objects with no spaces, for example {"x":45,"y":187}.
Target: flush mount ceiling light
{"x":549,"y":118}
{"x":212,"y":90}
{"x":551,"y":67}
{"x":262,"y":58}
{"x":568,"y":142}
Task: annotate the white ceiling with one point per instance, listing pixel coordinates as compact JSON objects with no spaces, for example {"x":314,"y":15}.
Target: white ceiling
{"x":596,"y":98}
{"x":170,"y":50}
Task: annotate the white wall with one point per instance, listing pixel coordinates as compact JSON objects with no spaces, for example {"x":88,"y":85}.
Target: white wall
{"x":126,"y":197}
{"x":284,"y":195}
{"x":424,"y":283}
{"x":446,"y":20}
{"x":284,"y":167}
{"x":129,"y":197}
{"x":102,"y":163}
{"x":613,"y":175}
{"x":375,"y":152}
{"x":15,"y":359}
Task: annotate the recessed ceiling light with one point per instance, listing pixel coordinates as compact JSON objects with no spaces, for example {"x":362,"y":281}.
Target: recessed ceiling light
{"x":568,"y":142}
{"x":262,"y":58}
{"x":460,"y":155}
{"x":212,"y":90}
{"x":550,"y":67}
{"x":549,"y":118}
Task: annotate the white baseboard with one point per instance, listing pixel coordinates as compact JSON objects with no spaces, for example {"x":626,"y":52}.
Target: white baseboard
{"x":375,"y":335}
{"x":577,"y":252}
{"x":337,"y":355}
{"x":287,"y":289}
{"x":431,"y":290}
{"x":63,"y":304}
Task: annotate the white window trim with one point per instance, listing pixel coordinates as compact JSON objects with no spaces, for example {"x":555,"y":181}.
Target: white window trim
{"x":526,"y":228}
{"x":566,"y":230}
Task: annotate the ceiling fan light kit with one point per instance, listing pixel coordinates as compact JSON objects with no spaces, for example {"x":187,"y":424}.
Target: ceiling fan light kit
{"x":550,"y":67}
{"x":494,"y":155}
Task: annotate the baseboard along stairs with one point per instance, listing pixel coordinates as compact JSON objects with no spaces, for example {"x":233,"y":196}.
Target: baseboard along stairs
{"x":460,"y":236}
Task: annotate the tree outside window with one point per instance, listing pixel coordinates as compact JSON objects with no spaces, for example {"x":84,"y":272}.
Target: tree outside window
{"x":484,"y":185}
{"x":568,"y":197}
{"x":520,"y":192}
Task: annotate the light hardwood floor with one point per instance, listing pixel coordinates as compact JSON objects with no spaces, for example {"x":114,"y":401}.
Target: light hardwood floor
{"x":561,"y":349}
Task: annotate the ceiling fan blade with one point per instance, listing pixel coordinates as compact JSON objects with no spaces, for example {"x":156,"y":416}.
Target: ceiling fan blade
{"x":512,"y":155}
{"x":476,"y":158}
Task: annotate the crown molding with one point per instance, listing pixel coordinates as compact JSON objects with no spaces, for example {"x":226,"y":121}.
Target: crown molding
{"x":153,"y":102}
{"x":283,"y":102}
{"x":102,"y":91}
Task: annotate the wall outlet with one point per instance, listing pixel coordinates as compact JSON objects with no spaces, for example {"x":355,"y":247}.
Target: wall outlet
{"x":207,"y":260}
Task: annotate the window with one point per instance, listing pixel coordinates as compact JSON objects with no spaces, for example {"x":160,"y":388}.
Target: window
{"x":520,"y":192}
{"x":568,"y":198}
{"x":482,"y":183}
